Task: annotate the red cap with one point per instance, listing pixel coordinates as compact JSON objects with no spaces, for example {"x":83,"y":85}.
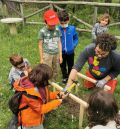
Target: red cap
{"x":51,"y":17}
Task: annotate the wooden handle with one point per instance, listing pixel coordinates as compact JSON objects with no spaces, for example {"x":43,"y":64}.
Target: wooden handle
{"x":106,"y":87}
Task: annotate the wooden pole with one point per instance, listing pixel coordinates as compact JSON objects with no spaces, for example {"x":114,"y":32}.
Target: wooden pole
{"x":113,"y":24}
{"x":95,"y":14}
{"x":57,"y":7}
{"x":51,"y":6}
{"x":76,"y":99}
{"x":82,"y":103}
{"x":83,"y":30}
{"x":81,"y":21}
{"x":35,"y":23}
{"x":69,"y":2}
{"x":106,"y":87}
{"x":36,"y":12}
{"x":4,"y":10}
{"x":13,"y":30}
{"x":22,"y":13}
{"x":81,"y":116}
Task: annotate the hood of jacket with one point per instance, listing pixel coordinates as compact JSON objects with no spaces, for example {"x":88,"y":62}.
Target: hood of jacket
{"x":25,"y":83}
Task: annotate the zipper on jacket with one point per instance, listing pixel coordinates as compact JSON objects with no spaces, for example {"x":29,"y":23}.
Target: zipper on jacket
{"x":65,"y":40}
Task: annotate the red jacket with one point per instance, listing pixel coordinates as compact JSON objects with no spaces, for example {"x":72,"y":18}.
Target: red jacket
{"x":33,"y":115}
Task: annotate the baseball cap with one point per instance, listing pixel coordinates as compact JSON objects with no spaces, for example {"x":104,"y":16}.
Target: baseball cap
{"x":51,"y":17}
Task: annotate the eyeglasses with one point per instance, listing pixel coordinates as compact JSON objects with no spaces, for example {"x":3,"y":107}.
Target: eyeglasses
{"x":101,"y":53}
{"x":21,"y":66}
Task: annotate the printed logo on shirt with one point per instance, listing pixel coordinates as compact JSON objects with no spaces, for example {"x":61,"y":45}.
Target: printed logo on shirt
{"x":94,"y":66}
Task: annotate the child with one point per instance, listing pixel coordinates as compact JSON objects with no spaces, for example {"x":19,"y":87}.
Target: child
{"x":101,"y":26}
{"x":20,"y":68}
{"x":69,"y":40}
{"x":102,"y":111}
{"x":36,"y":85}
{"x":49,"y":42}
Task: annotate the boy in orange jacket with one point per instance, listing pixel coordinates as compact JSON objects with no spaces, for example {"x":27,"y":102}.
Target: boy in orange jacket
{"x":36,"y":84}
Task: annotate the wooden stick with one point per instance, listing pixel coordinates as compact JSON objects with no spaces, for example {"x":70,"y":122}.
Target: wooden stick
{"x":75,"y":98}
{"x":118,"y":37}
{"x":69,"y":2}
{"x":106,"y":87}
{"x":36,"y":23}
{"x":81,"y":115}
{"x":22,"y":13}
{"x":78,"y":19}
{"x":81,"y":21}
{"x":57,"y":7}
{"x":113,"y":24}
{"x":83,"y":30}
{"x":82,"y":103}
{"x":37,"y":11}
{"x":15,"y":11}
{"x":95,"y":14}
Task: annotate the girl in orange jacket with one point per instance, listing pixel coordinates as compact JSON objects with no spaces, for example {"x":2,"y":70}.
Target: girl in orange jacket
{"x":36,"y":84}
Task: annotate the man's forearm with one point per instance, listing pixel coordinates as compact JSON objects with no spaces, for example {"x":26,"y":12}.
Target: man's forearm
{"x":72,"y":76}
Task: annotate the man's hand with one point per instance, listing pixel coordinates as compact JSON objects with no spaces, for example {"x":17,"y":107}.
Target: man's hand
{"x":101,"y":83}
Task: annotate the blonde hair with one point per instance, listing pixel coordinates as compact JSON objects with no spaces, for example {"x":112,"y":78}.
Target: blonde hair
{"x":104,"y":16}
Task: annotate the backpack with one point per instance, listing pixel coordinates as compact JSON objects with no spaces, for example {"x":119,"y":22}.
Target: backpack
{"x":15,"y":100}
{"x":14,"y":103}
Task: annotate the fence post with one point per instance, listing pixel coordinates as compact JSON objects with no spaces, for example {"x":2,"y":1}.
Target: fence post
{"x":81,"y":115}
{"x":22,"y":13}
{"x":95,"y":14}
{"x":4,"y":10}
{"x":51,"y":6}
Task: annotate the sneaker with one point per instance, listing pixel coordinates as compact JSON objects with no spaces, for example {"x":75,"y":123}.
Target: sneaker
{"x":64,"y":80}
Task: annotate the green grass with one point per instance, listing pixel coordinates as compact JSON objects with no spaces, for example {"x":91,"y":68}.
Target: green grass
{"x":26,"y":44}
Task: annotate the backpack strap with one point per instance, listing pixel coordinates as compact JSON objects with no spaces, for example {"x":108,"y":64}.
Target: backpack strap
{"x":29,"y":96}
{"x":25,"y":107}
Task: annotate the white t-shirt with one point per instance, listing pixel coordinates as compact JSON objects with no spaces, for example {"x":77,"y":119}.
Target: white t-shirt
{"x":110,"y":125}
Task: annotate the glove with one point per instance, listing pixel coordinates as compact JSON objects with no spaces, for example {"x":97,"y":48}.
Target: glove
{"x":101,"y":83}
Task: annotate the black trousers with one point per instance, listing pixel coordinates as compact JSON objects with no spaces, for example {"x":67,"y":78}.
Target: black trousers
{"x":66,"y":66}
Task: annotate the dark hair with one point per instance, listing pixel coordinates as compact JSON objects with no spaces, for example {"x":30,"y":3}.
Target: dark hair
{"x":102,"y":108}
{"x":16,"y":59}
{"x":40,"y":75}
{"x":104,"y":16}
{"x":63,"y":16}
{"x":106,"y":42}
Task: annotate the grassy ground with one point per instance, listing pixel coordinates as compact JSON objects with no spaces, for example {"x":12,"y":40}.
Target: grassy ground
{"x":26,"y":44}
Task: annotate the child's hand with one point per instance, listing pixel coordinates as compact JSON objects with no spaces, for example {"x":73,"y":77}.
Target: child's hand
{"x":60,"y":60}
{"x":62,"y":95}
{"x":65,"y":95}
{"x":26,"y":73}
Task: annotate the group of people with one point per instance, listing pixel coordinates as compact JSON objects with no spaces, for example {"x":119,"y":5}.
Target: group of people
{"x":56,"y":47}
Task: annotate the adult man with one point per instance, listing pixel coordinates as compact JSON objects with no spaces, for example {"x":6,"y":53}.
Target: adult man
{"x":103,"y":61}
